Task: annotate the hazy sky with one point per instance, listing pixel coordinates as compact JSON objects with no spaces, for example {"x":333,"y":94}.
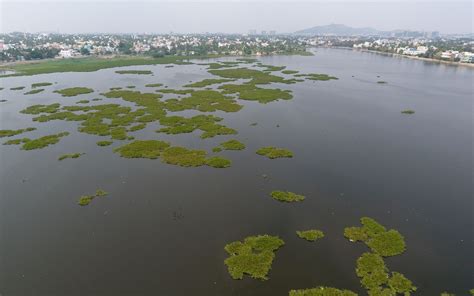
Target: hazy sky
{"x":231,"y":16}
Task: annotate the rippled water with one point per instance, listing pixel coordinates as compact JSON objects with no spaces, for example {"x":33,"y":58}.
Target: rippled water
{"x":162,"y":229}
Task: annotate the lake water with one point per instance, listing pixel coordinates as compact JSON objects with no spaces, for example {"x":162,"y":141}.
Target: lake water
{"x":162,"y":229}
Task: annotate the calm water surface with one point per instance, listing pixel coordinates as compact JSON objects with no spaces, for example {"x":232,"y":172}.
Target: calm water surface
{"x":162,"y":229}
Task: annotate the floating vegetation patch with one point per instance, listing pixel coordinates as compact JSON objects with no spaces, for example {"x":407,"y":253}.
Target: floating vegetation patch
{"x":11,"y":133}
{"x":154,"y":85}
{"x":74,"y":91}
{"x":137,"y":127}
{"x":34,"y":91}
{"x":321,"y":291}
{"x":274,"y":152}
{"x":70,"y":155}
{"x":38,"y":109}
{"x":97,"y":99}
{"x":408,"y":111}
{"x":41,"y":84}
{"x":219,"y":65}
{"x":16,"y":141}
{"x":253,"y":256}
{"x":286,"y":196}
{"x":175,"y":91}
{"x":87,"y":199}
{"x":82,"y":102}
{"x":142,"y":149}
{"x":204,"y":101}
{"x":247,"y":60}
{"x":255,"y":76}
{"x":218,"y":162}
{"x":131,"y":86}
{"x":273,"y":68}
{"x":310,"y":235}
{"x":382,"y":82}
{"x":289,"y":72}
{"x":137,"y":72}
{"x":232,"y":145}
{"x":315,"y":76}
{"x":250,"y":92}
{"x":184,"y":157}
{"x":104,"y":143}
{"x":115,"y":88}
{"x":377,"y":280}
{"x":207,"y":82}
{"x":17,"y":88}
{"x":43,"y":141}
{"x":205,"y":123}
{"x":376,"y":237}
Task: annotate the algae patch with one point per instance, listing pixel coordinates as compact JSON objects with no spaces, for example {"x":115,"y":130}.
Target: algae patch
{"x":310,"y":235}
{"x":286,"y":196}
{"x":74,"y":91}
{"x":43,"y":141}
{"x":70,"y":155}
{"x":11,"y":133}
{"x":274,"y":152}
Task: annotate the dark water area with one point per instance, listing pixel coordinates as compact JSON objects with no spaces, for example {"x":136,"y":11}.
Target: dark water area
{"x":163,"y":228}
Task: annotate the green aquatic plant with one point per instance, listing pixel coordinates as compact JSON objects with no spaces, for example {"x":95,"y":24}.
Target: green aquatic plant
{"x":315,"y":76}
{"x":255,"y":76}
{"x":408,"y":111}
{"x":115,"y":88}
{"x":100,"y":192}
{"x":232,"y":145}
{"x":289,"y":72}
{"x":38,"y":109}
{"x":274,"y":152}
{"x":204,"y":101}
{"x":372,"y":271}
{"x":11,"y":133}
{"x":184,"y":157}
{"x":207,"y":82}
{"x":43,"y":142}
{"x":138,"y":72}
{"x":254,"y":256}
{"x":310,"y":235}
{"x":130,"y":86}
{"x":219,"y":65}
{"x":217,"y":149}
{"x":74,"y":91}
{"x":218,"y":162}
{"x":400,"y":284}
{"x":271,"y":68}
{"x":82,"y":102}
{"x":175,"y":91}
{"x":206,"y":123}
{"x":84,"y":200}
{"x":286,"y":196}
{"x":382,"y":82}
{"x":70,"y":155}
{"x":16,"y":141}
{"x":447,"y":294}
{"x":104,"y":143}
{"x":321,"y":291}
{"x":142,"y":149}
{"x":137,"y":127}
{"x":17,"y":88}
{"x":154,"y":85}
{"x":250,"y":92}
{"x":41,"y":84}
{"x":376,"y":237}
{"x":34,"y":91}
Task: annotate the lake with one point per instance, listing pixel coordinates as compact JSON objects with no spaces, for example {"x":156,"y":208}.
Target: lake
{"x":163,"y":228}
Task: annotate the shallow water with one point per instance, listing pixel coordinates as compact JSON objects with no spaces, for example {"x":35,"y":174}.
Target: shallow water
{"x":162,"y":229}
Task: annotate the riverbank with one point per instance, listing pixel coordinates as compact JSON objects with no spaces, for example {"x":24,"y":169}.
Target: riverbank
{"x":470,"y":65}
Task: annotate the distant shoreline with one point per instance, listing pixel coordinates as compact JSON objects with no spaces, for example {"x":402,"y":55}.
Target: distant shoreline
{"x":469,"y":65}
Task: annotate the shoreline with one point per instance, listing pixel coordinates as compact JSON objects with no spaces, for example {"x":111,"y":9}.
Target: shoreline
{"x":469,"y":65}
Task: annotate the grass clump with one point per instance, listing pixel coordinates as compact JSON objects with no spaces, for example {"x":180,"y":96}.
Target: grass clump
{"x":232,"y":145}
{"x":87,"y":199}
{"x":310,"y":235}
{"x":16,"y":141}
{"x":315,"y":76}
{"x":184,"y":157}
{"x":71,"y":155}
{"x":154,"y":85}
{"x":11,"y":133}
{"x":218,"y":162}
{"x":377,"y":238}
{"x":286,"y":196}
{"x":41,"y":84}
{"x":274,"y":152}
{"x":204,"y":101}
{"x":74,"y":91}
{"x":289,"y":72}
{"x":250,"y":92}
{"x":142,"y":149}
{"x":408,"y":111}
{"x":253,"y":256}
{"x":321,"y":291}
{"x":137,"y":72}
{"x":17,"y":88}
{"x":104,"y":143}
{"x":43,"y":141}
{"x":34,"y":91}
{"x":82,"y":102}
{"x":207,"y":82}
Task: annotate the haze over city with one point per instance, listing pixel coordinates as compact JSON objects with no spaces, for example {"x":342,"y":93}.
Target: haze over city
{"x":448,"y":17}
